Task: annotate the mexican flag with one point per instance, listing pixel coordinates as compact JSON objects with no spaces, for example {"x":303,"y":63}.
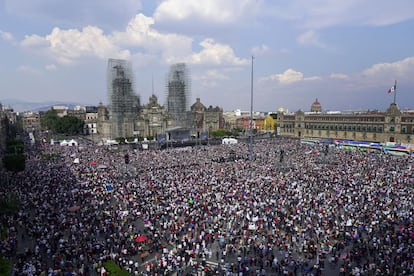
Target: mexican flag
{"x":393,"y":88}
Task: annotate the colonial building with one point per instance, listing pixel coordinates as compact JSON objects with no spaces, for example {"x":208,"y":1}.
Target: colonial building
{"x":261,"y":123}
{"x":104,"y":124}
{"x":31,"y":121}
{"x":213,"y":118}
{"x":316,"y":107}
{"x":393,"y":125}
{"x":205,"y":119}
{"x":7,"y":118}
{"x":123,"y":102}
{"x":91,"y":119}
{"x":3,"y":133}
{"x":153,"y":119}
{"x":178,"y":94}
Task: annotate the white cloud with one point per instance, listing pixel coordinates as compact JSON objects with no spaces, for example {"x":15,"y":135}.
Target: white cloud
{"x":392,"y":69}
{"x":260,"y":50}
{"x":216,"y":54}
{"x":339,"y":76}
{"x":288,"y":77}
{"x":313,"y":78}
{"x":211,"y":74}
{"x":50,"y":67}
{"x":140,"y":34}
{"x":34,"y":41}
{"x":310,"y":38}
{"x":28,"y":70}
{"x":218,"y":11}
{"x":68,"y":46}
{"x":6,"y":36}
{"x":210,"y":84}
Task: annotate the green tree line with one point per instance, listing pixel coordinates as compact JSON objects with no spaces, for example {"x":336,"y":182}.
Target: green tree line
{"x":62,"y":125}
{"x":14,"y":160}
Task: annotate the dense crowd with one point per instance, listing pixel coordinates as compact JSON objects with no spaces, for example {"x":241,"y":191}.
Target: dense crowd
{"x":294,"y":209}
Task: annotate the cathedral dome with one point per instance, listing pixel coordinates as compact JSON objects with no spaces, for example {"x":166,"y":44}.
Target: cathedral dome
{"x":316,"y":106}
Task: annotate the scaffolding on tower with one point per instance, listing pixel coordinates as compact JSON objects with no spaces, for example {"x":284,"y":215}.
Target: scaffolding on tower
{"x":178,"y":93}
{"x":124,"y":103}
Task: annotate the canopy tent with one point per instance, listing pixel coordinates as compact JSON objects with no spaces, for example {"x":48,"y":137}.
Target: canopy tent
{"x":229,"y":141}
{"x":69,"y":143}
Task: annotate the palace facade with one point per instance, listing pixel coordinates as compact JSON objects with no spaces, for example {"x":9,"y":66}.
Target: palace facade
{"x":393,"y":125}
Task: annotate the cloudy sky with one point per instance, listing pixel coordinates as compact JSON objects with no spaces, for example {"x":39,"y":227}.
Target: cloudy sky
{"x":345,"y":53}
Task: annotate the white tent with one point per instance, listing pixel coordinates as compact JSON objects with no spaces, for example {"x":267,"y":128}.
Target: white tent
{"x":228,"y":141}
{"x":64,"y":143}
{"x":73,"y":143}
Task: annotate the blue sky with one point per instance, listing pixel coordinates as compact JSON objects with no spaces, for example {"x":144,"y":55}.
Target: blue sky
{"x":345,"y":53}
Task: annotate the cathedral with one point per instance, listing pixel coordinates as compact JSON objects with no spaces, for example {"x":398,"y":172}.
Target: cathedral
{"x":125,"y":117}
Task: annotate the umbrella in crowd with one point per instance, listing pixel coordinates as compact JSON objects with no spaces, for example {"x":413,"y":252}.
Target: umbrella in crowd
{"x":141,"y":238}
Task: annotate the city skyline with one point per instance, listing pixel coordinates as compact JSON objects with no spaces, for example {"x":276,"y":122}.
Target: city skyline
{"x":346,"y":54}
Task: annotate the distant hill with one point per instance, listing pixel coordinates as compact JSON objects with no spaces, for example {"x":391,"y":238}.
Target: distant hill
{"x":22,"y":106}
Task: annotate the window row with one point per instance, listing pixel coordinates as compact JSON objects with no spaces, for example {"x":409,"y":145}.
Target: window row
{"x":345,"y":119}
{"x":346,"y":127}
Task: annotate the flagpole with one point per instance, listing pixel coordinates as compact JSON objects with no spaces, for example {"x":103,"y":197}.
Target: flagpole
{"x":395,"y":90}
{"x":251,"y":117}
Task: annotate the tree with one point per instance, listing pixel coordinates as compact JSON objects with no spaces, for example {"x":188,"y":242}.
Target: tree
{"x":14,"y":163}
{"x":49,"y":119}
{"x":5,"y":124}
{"x":69,"y":125}
{"x":14,"y":147}
{"x":269,"y":124}
{"x":221,"y":133}
{"x":236,"y":131}
{"x":114,"y":269}
{"x":14,"y":160}
{"x":5,"y":266}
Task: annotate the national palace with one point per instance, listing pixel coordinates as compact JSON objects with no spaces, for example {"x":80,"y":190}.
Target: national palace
{"x":393,"y":125}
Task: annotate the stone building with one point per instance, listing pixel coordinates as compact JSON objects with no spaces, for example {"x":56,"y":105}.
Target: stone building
{"x":205,"y":119}
{"x":316,"y":107}
{"x":103,"y":123}
{"x":3,"y":133}
{"x":31,"y":121}
{"x":153,"y":119}
{"x":124,"y":103}
{"x":393,"y":125}
{"x":91,"y":119}
{"x":178,"y":94}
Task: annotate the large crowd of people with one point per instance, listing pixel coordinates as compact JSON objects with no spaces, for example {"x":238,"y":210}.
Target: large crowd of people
{"x":293,"y":209}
